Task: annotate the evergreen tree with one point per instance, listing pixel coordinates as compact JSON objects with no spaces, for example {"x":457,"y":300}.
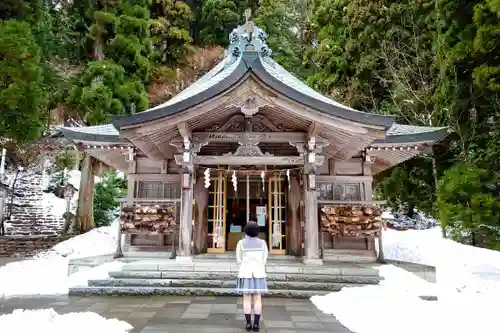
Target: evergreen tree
{"x":286,"y":25}
{"x":111,"y":186}
{"x":104,"y":90}
{"x":218,"y":18}
{"x":23,"y":100}
{"x":131,"y":46}
{"x":171,"y":30}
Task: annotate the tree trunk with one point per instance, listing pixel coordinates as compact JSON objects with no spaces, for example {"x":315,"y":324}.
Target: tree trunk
{"x":98,"y":52}
{"x":85,"y":211}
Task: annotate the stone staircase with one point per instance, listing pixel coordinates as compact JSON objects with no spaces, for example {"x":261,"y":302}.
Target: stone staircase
{"x":215,"y":275}
{"x":33,"y":211}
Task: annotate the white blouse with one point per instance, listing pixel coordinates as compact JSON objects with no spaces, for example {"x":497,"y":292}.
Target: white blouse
{"x":252,"y":261}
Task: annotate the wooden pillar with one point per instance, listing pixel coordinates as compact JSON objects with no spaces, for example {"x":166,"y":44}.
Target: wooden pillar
{"x":368,"y":194}
{"x":200,"y":231}
{"x":295,"y":235}
{"x":311,"y":225}
{"x":85,"y":211}
{"x":186,"y":223}
{"x":3,"y":197}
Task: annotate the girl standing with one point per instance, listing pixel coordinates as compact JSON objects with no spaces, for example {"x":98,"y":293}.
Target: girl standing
{"x":251,"y":255}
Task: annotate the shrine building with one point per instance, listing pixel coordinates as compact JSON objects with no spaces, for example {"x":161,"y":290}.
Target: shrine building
{"x":249,"y":141}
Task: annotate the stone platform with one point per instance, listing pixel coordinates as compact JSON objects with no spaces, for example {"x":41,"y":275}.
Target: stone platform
{"x":211,"y":275}
{"x":170,"y":314}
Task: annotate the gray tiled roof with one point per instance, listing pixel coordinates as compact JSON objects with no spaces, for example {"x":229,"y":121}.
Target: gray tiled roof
{"x":98,"y":133}
{"x":398,"y":129}
{"x":221,"y":71}
{"x":287,"y":78}
{"x":107,"y":129}
{"x":409,"y":133}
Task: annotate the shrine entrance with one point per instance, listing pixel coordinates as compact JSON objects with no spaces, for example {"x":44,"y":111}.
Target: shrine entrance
{"x":247,"y":197}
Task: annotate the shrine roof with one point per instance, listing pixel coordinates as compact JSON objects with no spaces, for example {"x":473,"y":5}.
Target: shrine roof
{"x":98,"y":133}
{"x":397,"y":134}
{"x":249,"y":54}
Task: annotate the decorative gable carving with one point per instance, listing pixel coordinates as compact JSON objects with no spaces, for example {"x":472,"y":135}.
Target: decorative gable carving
{"x":237,"y":124}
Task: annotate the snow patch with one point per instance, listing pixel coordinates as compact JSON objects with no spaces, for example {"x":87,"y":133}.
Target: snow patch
{"x":468,"y":289}
{"x":394,"y":307}
{"x":49,"y":321}
{"x":47,"y":273}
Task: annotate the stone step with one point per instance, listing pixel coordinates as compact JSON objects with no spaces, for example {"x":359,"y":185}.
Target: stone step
{"x":208,"y":283}
{"x":350,"y":256}
{"x":162,"y":265}
{"x":228,"y":256}
{"x":164,"y":291}
{"x":231,"y":276}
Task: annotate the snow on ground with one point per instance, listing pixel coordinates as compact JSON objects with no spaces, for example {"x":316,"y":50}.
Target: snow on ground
{"x":468,"y":289}
{"x":47,"y":273}
{"x":458,"y":266}
{"x":49,"y":321}
{"x":416,"y":246}
{"x":394,"y":307}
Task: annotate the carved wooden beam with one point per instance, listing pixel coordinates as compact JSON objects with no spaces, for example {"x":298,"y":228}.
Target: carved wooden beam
{"x":238,"y":120}
{"x":278,"y":137}
{"x":249,"y":160}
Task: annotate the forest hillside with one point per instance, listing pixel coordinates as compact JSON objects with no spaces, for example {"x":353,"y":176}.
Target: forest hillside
{"x":434,"y":63}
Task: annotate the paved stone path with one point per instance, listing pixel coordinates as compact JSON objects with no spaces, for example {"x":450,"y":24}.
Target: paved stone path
{"x":189,"y":314}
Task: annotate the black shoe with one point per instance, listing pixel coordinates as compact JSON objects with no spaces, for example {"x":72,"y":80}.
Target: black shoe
{"x":256,"y":321}
{"x":248,"y":327}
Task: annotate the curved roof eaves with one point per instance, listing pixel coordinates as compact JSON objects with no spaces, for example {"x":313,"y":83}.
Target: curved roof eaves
{"x":284,"y":82}
{"x":211,"y":84}
{"x":98,"y":133}
{"x":409,"y":133}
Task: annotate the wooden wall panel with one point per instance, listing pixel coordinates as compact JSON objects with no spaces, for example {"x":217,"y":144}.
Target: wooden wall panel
{"x":351,"y":167}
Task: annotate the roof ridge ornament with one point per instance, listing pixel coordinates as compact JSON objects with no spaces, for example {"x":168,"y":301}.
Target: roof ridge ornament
{"x":247,"y":38}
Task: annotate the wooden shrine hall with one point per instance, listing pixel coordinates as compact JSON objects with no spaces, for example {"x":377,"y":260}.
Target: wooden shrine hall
{"x":250,"y":141}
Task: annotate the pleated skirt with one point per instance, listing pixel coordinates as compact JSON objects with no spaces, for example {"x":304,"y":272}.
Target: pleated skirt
{"x":251,"y":285}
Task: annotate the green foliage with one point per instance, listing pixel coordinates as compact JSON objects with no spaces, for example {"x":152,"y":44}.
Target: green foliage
{"x":218,"y":18}
{"x":131,"y":47}
{"x":23,"y":100}
{"x":469,"y":203}
{"x":103,"y":90}
{"x":409,"y":187}
{"x":170,"y":30}
{"x":66,"y":159}
{"x":110,"y":188}
{"x":286,"y":25}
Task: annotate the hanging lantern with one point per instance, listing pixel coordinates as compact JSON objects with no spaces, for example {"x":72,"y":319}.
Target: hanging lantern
{"x":235,"y":181}
{"x":207,"y":178}
{"x":263,"y":179}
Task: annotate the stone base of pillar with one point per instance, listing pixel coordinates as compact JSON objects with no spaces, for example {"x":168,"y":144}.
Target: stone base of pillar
{"x":313,"y":262}
{"x":187,"y":260}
